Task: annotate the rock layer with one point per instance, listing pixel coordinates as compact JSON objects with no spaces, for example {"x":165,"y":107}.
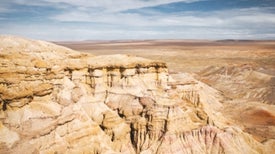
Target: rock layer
{"x":55,"y":100}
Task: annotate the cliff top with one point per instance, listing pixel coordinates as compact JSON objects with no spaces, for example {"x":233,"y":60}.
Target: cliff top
{"x":17,"y":49}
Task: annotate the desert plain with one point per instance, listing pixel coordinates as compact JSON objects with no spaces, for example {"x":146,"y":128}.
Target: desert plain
{"x":188,"y":55}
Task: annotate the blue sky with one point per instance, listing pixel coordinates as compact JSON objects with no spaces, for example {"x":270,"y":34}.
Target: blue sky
{"x":58,"y":20}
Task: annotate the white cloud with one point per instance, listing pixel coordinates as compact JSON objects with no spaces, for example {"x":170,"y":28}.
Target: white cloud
{"x":76,"y":32}
{"x":106,"y":19}
{"x":106,"y":5}
{"x":120,"y":5}
{"x":59,"y":32}
{"x":224,"y":18}
{"x":5,"y":7}
{"x":3,"y":10}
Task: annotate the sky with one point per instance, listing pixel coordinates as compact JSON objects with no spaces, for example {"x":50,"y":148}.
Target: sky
{"x":76,"y":20}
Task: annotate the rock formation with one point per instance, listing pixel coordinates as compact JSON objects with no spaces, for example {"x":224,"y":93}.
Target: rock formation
{"x":250,"y":93}
{"x":56,"y":100}
{"x":248,"y":82}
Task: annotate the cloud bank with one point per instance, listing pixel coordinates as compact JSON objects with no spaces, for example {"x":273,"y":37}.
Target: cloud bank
{"x":134,"y":19}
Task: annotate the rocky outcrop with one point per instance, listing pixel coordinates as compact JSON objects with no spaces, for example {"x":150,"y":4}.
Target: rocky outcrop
{"x":246,"y":81}
{"x":55,"y":100}
{"x":250,"y":94}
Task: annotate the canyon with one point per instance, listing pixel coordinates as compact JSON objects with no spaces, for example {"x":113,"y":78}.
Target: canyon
{"x":58,"y":100}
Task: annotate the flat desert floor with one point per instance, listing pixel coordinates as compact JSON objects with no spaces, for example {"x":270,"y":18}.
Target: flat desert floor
{"x":242,"y":70}
{"x":188,"y":55}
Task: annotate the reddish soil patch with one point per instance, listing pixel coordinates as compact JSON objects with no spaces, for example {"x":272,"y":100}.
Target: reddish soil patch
{"x":258,"y":116}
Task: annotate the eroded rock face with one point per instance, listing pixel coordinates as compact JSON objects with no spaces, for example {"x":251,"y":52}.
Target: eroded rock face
{"x":257,"y":83}
{"x":55,"y":100}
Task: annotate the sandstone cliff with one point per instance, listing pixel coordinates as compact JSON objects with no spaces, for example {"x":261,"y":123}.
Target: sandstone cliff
{"x":55,"y":100}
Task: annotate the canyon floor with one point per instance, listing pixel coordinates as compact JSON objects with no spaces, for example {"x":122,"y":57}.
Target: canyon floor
{"x":242,"y":70}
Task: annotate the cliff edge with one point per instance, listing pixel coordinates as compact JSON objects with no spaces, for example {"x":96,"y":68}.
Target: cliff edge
{"x":56,"y":100}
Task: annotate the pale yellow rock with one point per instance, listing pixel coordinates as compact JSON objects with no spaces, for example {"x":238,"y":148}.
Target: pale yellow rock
{"x":107,"y":104}
{"x":7,"y":136}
